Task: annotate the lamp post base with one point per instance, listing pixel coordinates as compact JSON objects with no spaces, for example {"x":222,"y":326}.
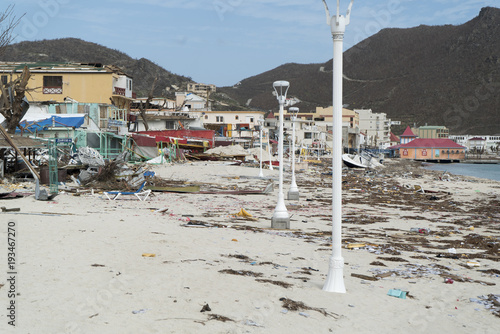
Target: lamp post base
{"x":293,"y":195}
{"x":280,"y":223}
{"x":335,"y":280}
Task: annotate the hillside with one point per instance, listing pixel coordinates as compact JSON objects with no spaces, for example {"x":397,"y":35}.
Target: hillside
{"x":440,"y":75}
{"x":75,"y":50}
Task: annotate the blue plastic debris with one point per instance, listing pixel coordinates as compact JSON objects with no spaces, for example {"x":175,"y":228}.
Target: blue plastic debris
{"x":397,"y":293}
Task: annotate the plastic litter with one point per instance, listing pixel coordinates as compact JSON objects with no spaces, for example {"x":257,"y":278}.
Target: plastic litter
{"x":140,"y":311}
{"x":420,"y":230}
{"x":397,"y":293}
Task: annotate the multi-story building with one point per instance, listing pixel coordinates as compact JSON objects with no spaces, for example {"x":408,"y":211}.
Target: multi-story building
{"x":376,"y":126}
{"x":469,"y":142}
{"x":432,"y":132}
{"x":75,"y":82}
{"x":235,"y":124}
{"x":201,"y":89}
{"x":190,"y":102}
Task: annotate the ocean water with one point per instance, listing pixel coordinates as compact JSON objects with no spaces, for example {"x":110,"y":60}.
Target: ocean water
{"x":484,"y":171}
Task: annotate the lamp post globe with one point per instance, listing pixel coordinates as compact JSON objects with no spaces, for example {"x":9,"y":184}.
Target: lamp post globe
{"x":280,"y":219}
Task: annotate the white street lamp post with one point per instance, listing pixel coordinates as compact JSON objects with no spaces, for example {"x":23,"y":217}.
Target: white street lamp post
{"x":293,"y":193}
{"x":281,"y":218}
{"x":261,"y":124}
{"x":337,"y":23}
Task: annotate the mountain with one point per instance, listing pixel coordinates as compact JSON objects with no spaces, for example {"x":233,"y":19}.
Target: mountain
{"x":436,"y":75}
{"x":76,"y":50}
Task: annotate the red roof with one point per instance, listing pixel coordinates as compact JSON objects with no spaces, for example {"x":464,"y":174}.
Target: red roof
{"x":429,"y":143}
{"x":477,"y":139}
{"x":394,"y":138}
{"x":270,"y":116}
{"x":408,"y":133}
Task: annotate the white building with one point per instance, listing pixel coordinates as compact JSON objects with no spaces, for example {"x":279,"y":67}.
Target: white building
{"x":236,"y":124}
{"x":376,"y":126}
{"x":471,"y":141}
{"x":190,"y":101}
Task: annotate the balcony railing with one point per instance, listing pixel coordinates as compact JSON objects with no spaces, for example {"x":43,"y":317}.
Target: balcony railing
{"x":52,"y":90}
{"x":119,"y":91}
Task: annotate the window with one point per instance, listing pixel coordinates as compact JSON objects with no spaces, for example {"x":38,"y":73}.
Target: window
{"x":307,"y":135}
{"x":52,"y":84}
{"x":219,"y":118}
{"x":4,"y":79}
{"x":170,"y":125}
{"x":236,"y":117}
{"x":206,"y":116}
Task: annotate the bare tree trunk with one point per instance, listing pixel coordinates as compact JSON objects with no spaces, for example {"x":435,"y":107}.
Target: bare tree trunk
{"x":143,"y":109}
{"x":11,"y":100}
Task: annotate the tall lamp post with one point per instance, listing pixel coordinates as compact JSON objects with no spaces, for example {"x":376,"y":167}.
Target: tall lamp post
{"x":280,"y":218}
{"x":261,"y":124}
{"x":335,"y":279}
{"x":293,"y":192}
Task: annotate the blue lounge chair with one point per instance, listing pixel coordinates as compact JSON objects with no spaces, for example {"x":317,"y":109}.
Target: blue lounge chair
{"x":113,"y":195}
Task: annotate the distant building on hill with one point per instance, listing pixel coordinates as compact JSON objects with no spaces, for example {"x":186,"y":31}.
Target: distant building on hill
{"x":201,"y":89}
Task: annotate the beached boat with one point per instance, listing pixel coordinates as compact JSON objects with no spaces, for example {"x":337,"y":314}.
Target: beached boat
{"x":362,"y":160}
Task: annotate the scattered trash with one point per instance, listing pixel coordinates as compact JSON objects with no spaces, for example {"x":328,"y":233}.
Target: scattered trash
{"x":140,"y":311}
{"x":448,"y":281}
{"x":490,"y":302}
{"x":356,"y":246}
{"x":148,"y":255}
{"x":304,"y":314}
{"x":217,"y":317}
{"x":4,"y":209}
{"x":234,"y":239}
{"x":420,"y":230}
{"x":293,"y":305}
{"x":206,"y":308}
{"x":473,"y":264}
{"x":252,"y":323}
{"x":397,"y":293}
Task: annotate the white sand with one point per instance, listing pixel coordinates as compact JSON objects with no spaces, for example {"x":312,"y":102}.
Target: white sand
{"x":62,"y":292}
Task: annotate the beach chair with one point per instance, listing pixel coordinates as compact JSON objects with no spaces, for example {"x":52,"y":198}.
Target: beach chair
{"x":141,"y":194}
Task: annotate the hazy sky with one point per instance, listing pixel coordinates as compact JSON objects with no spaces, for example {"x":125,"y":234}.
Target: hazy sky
{"x":225,"y":41}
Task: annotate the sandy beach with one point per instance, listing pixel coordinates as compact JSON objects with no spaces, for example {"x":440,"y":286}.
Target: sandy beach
{"x":89,"y":265}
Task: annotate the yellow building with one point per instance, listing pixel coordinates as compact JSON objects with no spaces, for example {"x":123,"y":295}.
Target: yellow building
{"x":349,"y":117}
{"x":432,"y":132}
{"x":83,"y":83}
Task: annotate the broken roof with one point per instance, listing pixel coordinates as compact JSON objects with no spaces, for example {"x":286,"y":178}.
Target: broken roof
{"x":20,"y":142}
{"x":61,"y":67}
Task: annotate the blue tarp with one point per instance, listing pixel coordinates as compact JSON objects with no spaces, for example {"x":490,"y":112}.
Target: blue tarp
{"x":53,"y":121}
